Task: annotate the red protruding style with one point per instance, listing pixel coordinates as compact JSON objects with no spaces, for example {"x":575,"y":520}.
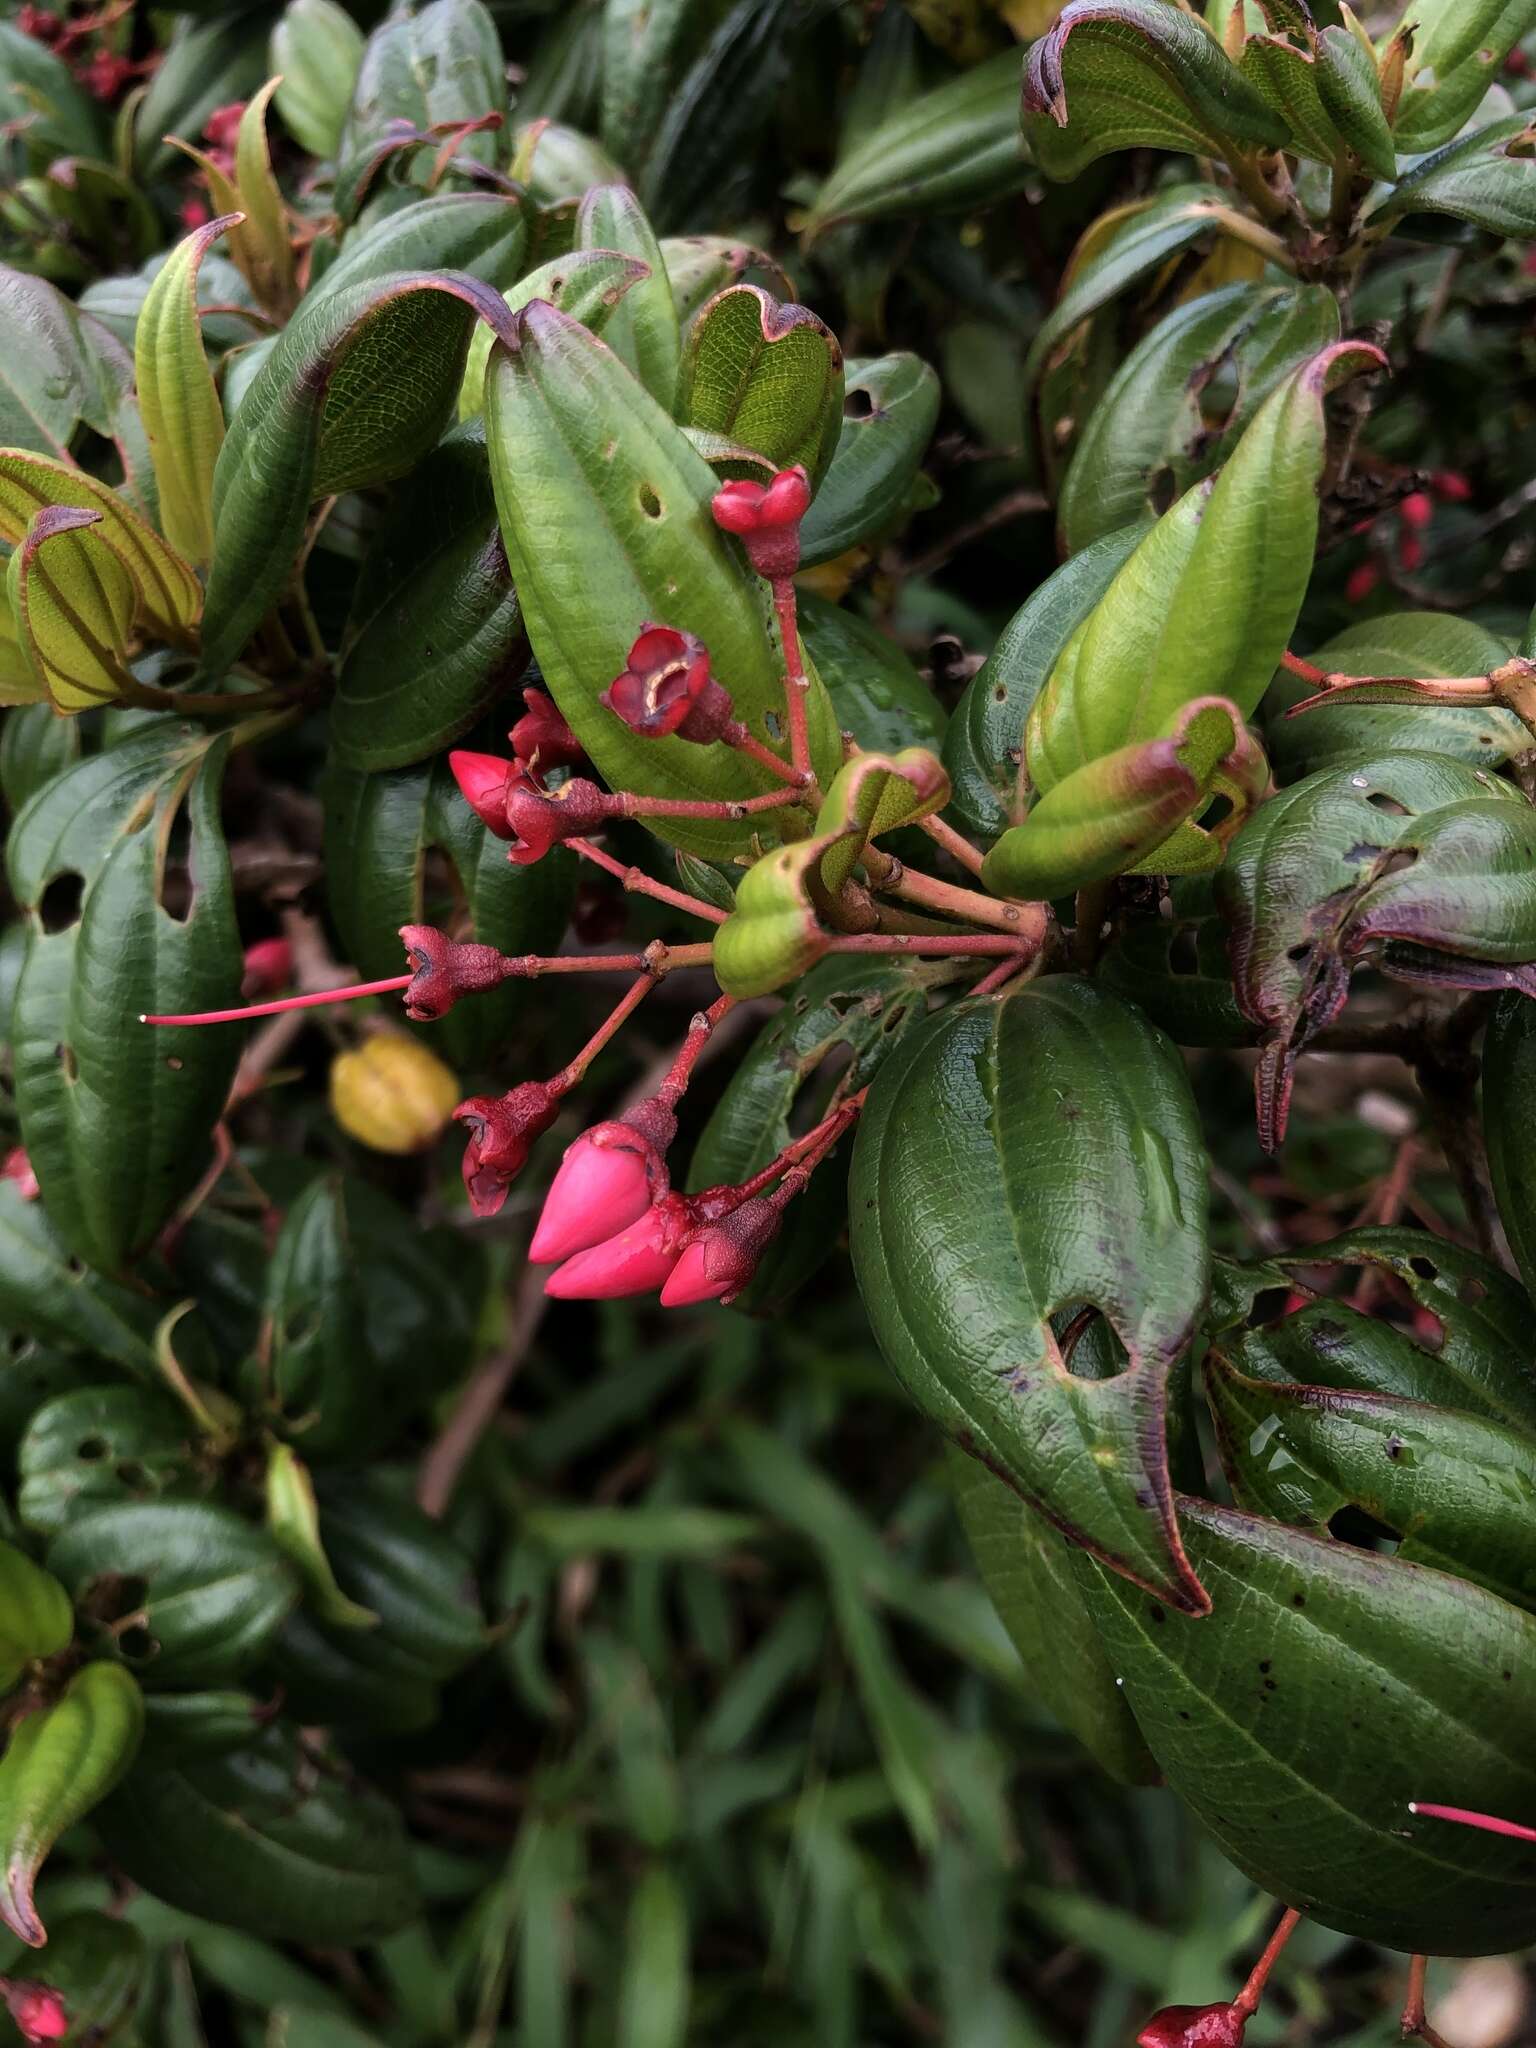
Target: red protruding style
{"x":541,"y":736}
{"x":1489,"y":1823}
{"x":668,"y":688}
{"x":1194,"y":2026}
{"x":446,"y":970}
{"x":502,"y":1130}
{"x":720,"y":1259}
{"x":766,"y":519}
{"x":607,"y":1180}
{"x":636,"y":1261}
{"x":483,"y":781}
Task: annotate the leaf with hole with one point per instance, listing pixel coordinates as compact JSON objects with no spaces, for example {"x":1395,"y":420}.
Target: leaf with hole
{"x":1457,"y":51}
{"x":96,"y":1446}
{"x":890,"y":407}
{"x":1021,"y":1156}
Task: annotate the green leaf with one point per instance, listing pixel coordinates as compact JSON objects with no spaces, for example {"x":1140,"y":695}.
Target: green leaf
{"x":1150,"y":428}
{"x":1453,"y":1489}
{"x":191,"y":1724}
{"x":590,"y":285}
{"x":654,"y":1988}
{"x":36,"y":1619}
{"x":643,"y":327}
{"x":984,"y":740}
{"x":97,"y":1964}
{"x":1176,"y":969}
{"x":331,"y":409}
{"x":876,"y":693}
{"x":39,"y":94}
{"x":1134,"y":74}
{"x":767,"y":375}
{"x":98,"y":1445}
{"x":645,"y":47}
{"x":1285,"y":72}
{"x":1305,"y":1632}
{"x":61,"y":369}
{"x":1026,"y":1568}
{"x":356,"y":1296}
{"x":184,"y":1592}
{"x":116,"y":1115}
{"x":436,"y":634}
{"x":862,"y":1006}
{"x":484,"y":233}
{"x":713,"y":118}
{"x":871,"y":795}
{"x":1458,"y":51}
{"x":1509,"y":1088}
{"x":1410,"y":861}
{"x":890,"y":406}
{"x":48,"y":1295}
{"x":73,"y":604}
{"x":1394,"y":644}
{"x":950,"y":149}
{"x":380,"y":831}
{"x":1018,"y":1157}
{"x":699,"y":266}
{"x":293,"y":1521}
{"x":605,"y":512}
{"x":1349,"y":87}
{"x":182,"y":414}
{"x":59,"y":1762}
{"x":443,"y":64}
{"x":558,"y":164}
{"x":205,"y":64}
{"x":272,"y":1839}
{"x":1487,"y":177}
{"x":34,"y":746}
{"x":317,"y":49}
{"x":1206,"y":604}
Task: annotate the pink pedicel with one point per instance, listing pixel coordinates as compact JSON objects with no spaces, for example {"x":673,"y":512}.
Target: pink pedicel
{"x":637,"y":1261}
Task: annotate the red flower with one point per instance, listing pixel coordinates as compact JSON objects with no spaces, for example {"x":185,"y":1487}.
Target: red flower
{"x":104,"y":75}
{"x":38,"y":2010}
{"x":541,"y":736}
{"x":482,"y":780}
{"x":767,"y":519}
{"x":1417,"y":509}
{"x":1362,"y":581}
{"x":194,"y":213}
{"x":223,"y":126}
{"x":268,"y":968}
{"x":668,"y":688}
{"x":502,"y":1130}
{"x":610,"y":1176}
{"x":1451,"y":485}
{"x":637,"y":1261}
{"x":39,"y":23}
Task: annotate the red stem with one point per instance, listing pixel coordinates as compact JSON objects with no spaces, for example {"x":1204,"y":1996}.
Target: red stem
{"x":627,"y":1004}
{"x":952,"y":843}
{"x":1309,"y":673}
{"x":796,"y":682}
{"x":736,"y":735}
{"x":1247,"y":2000}
{"x":999,"y":977}
{"x":681,"y":1071}
{"x":640,"y":883}
{"x":628,"y":805}
{"x":904,"y":942}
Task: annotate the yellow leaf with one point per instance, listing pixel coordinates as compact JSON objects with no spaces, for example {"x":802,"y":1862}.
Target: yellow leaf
{"x":73,"y":602}
{"x":181,"y":410}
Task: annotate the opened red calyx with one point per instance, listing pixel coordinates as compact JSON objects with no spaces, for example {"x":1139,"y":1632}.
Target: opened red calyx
{"x":541,"y":736}
{"x":502,"y":1131}
{"x":445,"y":970}
{"x":766,"y":519}
{"x":668,"y":688}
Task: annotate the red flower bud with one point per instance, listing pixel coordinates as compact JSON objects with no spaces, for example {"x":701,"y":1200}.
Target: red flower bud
{"x":39,"y":23}
{"x":268,"y":968}
{"x":1451,"y":485}
{"x":540,"y":818}
{"x":541,"y":736}
{"x":637,"y":1261}
{"x":444,"y":971}
{"x":18,"y":1169}
{"x":38,"y":2010}
{"x":502,"y":1130}
{"x":194,"y":213}
{"x":767,"y":519}
{"x":222,"y":126}
{"x":1193,"y":2026}
{"x":607,"y":1180}
{"x":104,"y":75}
{"x":721,"y":1258}
{"x":1362,"y":581}
{"x":1417,"y":509}
{"x":1410,"y":552}
{"x":483,"y":780}
{"x":668,"y":688}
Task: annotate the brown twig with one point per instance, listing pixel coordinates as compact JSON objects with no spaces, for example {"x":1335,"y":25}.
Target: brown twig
{"x":479,"y":1399}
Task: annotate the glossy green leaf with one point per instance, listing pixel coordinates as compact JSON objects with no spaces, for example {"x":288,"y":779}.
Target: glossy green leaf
{"x":443,"y":64}
{"x":293,"y":1520}
{"x":73,"y":603}
{"x":317,"y":50}
{"x":1458,"y":50}
{"x":1350,"y":90}
{"x":1176,"y":969}
{"x":34,"y":746}
{"x":116,"y":1115}
{"x":1020,"y":1156}
{"x":1509,"y":1089}
{"x":890,"y":406}
{"x":590,"y":285}
{"x":332,"y":409}
{"x":184,"y":1592}
{"x":436,"y":634}
{"x":1421,"y":864}
{"x":699,"y":266}
{"x":36,"y":1619}
{"x":605,"y":512}
{"x":643,"y":327}
{"x":103,"y":1444}
{"x":1455,"y":1491}
{"x":654,"y":1989}
{"x":1026,"y":1568}
{"x":715,"y":115}
{"x":289,"y":1846}
{"x":1394,"y":644}
{"x":864,"y":1006}
{"x":58,"y":1763}
{"x":558,"y":164}
{"x":984,"y":740}
{"x":182,"y":414}
{"x":484,"y":233}
{"x":1487,"y":177}
{"x":1149,"y":429}
{"x":380,"y":830}
{"x":1135,"y":74}
{"x":183,"y":1725}
{"x":645,"y":47}
{"x":61,"y":369}
{"x":356,"y":1297}
{"x":1206,"y":604}
{"x":876,"y":693}
{"x":1283,"y":69}
{"x":46,"y":1292}
{"x":1305,"y":1634}
{"x":767,"y":375}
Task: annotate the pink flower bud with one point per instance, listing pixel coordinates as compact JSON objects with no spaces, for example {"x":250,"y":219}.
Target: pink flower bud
{"x":268,"y":968}
{"x":1417,"y":509}
{"x":1362,"y":581}
{"x":1451,"y":485}
{"x":18,"y":1170}
{"x":445,"y":971}
{"x":38,"y":2010}
{"x":668,"y":688}
{"x":541,"y":736}
{"x":637,"y":1261}
{"x":502,"y":1130}
{"x":607,"y":1180}
{"x":1193,"y":2026}
{"x":540,"y":818}
{"x":721,"y":1258}
{"x":1410,"y":552}
{"x":482,"y":780}
{"x":194,"y":213}
{"x":222,"y":127}
{"x":766,"y":519}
